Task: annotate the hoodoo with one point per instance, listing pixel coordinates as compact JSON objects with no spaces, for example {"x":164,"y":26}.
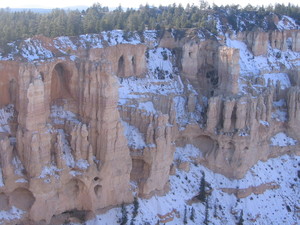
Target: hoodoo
{"x":89,"y":122}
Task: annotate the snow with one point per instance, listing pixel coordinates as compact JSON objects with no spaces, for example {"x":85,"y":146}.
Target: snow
{"x":18,"y":166}
{"x":6,"y":114}
{"x":64,"y":42}
{"x":134,"y":137}
{"x":279,"y":103}
{"x":60,"y":116}
{"x":49,"y":171}
{"x":73,"y":57}
{"x":283,"y":78}
{"x":75,"y":173}
{"x":67,"y":152}
{"x":282,"y":140}
{"x":150,"y":37}
{"x":133,"y":88}
{"x":184,"y":154}
{"x":82,"y":164}
{"x":1,"y":178}
{"x":265,"y":123}
{"x":264,"y":65}
{"x":159,"y":63}
{"x":109,"y":38}
{"x":280,"y":115}
{"x":34,"y":50}
{"x":270,"y":207}
{"x":12,"y":214}
{"x":161,"y":79}
{"x":147,"y":106}
{"x":181,"y":115}
{"x":90,"y":41}
{"x":287,"y":23}
{"x":22,"y":180}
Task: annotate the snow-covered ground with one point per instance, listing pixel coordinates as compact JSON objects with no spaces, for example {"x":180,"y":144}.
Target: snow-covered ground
{"x":12,"y":214}
{"x":161,"y":79}
{"x":6,"y":114}
{"x":281,"y":139}
{"x":277,"y":206}
{"x":34,"y":49}
{"x":264,"y":66}
{"x":134,"y":137}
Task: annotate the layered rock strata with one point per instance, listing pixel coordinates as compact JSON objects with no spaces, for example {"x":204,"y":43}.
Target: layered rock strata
{"x":84,"y":129}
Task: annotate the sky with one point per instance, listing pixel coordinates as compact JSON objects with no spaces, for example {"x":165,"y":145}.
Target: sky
{"x":124,"y":3}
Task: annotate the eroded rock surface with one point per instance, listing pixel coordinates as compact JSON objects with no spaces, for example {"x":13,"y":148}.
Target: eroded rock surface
{"x":84,"y":123}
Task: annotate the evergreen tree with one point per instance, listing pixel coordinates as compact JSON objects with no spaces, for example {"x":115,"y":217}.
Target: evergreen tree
{"x":206,"y":213}
{"x":202,"y":193}
{"x":135,"y":210}
{"x":241,"y":219}
{"x":58,"y":22}
{"x":192,"y":216}
{"x":184,"y":216}
{"x":124,"y":218}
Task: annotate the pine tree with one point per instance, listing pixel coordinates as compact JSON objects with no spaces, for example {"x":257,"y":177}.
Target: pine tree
{"x":206,"y":212}
{"x":124,"y":218}
{"x":135,"y":210}
{"x":184,"y":216}
{"x":192,"y":216}
{"x":202,"y":194}
{"x":241,"y":220}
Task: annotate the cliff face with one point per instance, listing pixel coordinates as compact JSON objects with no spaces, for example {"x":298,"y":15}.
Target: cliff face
{"x":84,"y":124}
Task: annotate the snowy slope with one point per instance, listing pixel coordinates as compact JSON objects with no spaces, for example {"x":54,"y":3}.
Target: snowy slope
{"x":264,"y":66}
{"x":6,"y":114}
{"x":277,"y":206}
{"x":40,"y":48}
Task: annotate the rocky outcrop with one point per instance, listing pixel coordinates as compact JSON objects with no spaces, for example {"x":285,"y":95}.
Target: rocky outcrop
{"x":79,"y":130}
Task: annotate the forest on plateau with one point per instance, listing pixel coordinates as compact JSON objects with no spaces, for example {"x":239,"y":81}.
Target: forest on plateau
{"x":60,"y":22}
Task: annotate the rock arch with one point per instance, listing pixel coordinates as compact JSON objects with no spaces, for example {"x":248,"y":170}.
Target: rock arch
{"x":60,"y":83}
{"x":77,"y":195}
{"x":140,"y":170}
{"x":205,"y":143}
{"x":22,"y":198}
{"x":4,"y":202}
{"x":121,"y":66}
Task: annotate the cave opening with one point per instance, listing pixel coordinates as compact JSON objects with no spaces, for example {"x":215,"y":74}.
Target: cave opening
{"x":60,"y":83}
{"x":121,"y":66}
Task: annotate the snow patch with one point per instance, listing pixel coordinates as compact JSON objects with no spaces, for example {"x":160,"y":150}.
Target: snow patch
{"x":12,"y":214}
{"x":187,"y":152}
{"x":282,"y":140}
{"x":279,"y":103}
{"x":19,"y":168}
{"x":147,"y":106}
{"x":34,"y":50}
{"x":22,"y":180}
{"x":280,"y":115}
{"x":287,"y":23}
{"x":265,"y":123}
{"x":59,"y":115}
{"x":283,"y":78}
{"x":67,"y":152}
{"x":1,"y":178}
{"x":64,"y":42}
{"x":134,"y":137}
{"x":49,"y":171}
{"x":6,"y":114}
{"x":181,"y":115}
{"x":267,"y":208}
{"x":82,"y":164}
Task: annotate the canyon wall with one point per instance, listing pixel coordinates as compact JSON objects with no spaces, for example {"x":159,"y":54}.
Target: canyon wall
{"x":88,"y":130}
